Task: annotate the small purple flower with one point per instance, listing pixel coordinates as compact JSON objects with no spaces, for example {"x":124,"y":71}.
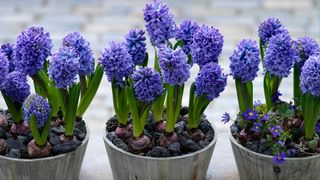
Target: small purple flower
{"x":117,"y":63}
{"x":306,"y":47}
{"x":250,"y":115}
{"x":4,"y":69}
{"x":310,"y":75}
{"x":270,"y":27}
{"x":245,"y":61}
{"x":83,"y":51}
{"x":257,"y":103}
{"x":8,"y":50}
{"x":32,"y":48}
{"x":281,"y":143}
{"x":211,"y":81}
{"x":279,"y":159}
{"x":64,"y":67}
{"x":185,"y":33}
{"x":37,"y":106}
{"x":225,"y":117}
{"x":173,"y":65}
{"x":280,"y":55}
{"x":318,"y":127}
{"x":147,"y":84}
{"x":206,"y":46}
{"x":136,"y":45}
{"x":256,"y":127}
{"x":276,"y":131}
{"x":159,"y":22}
{"x":276,"y":97}
{"x":16,"y":86}
{"x":265,"y":117}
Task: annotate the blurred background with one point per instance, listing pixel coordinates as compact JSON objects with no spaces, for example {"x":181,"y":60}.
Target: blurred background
{"x":101,"y":21}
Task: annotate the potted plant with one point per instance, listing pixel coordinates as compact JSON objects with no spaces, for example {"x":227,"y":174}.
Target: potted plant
{"x":45,"y":130}
{"x":278,"y":139}
{"x":152,"y":136}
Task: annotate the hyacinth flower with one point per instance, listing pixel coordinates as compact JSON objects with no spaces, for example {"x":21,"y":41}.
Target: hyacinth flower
{"x":136,"y":46}
{"x":279,"y":59}
{"x":118,"y":66}
{"x":206,"y":46}
{"x":209,"y":83}
{"x":7,"y":49}
{"x":184,"y":34}
{"x":310,"y":87}
{"x":175,"y":72}
{"x":63,"y":70}
{"x":15,"y":90}
{"x":305,"y":47}
{"x":37,"y":113}
{"x":244,"y":67}
{"x":145,"y":86}
{"x":159,"y":23}
{"x":89,"y":75}
{"x":268,"y":28}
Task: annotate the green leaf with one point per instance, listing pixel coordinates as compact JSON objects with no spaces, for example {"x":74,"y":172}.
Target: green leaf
{"x":35,"y":131}
{"x":14,"y":108}
{"x":178,"y":44}
{"x":296,"y":85}
{"x":87,"y":97}
{"x":71,"y":109}
{"x":137,"y":127}
{"x":146,"y":59}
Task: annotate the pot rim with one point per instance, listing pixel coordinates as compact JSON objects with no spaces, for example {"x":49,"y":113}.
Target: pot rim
{"x":212,"y":143}
{"x":235,"y":142}
{"x":86,"y":139}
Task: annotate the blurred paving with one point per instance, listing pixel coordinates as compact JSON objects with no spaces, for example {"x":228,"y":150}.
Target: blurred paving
{"x":103,"y":20}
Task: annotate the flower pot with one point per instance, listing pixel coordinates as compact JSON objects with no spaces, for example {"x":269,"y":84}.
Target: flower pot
{"x":129,"y":166}
{"x":61,"y":167}
{"x":256,"y":166}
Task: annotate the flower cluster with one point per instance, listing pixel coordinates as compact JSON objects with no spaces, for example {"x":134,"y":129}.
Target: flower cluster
{"x":37,"y":106}
{"x":147,"y":84}
{"x":117,"y":63}
{"x":4,"y":69}
{"x":32,"y":48}
{"x":310,"y":76}
{"x":210,"y":81}
{"x":185,"y":32}
{"x":270,"y":27}
{"x":245,"y":61}
{"x":136,"y":45}
{"x":206,"y":46}
{"x":159,"y":22}
{"x":173,"y":65}
{"x":16,"y":86}
{"x":280,"y":55}
{"x":82,"y":50}
{"x":306,"y":47}
{"x":64,"y":66}
{"x":8,"y":50}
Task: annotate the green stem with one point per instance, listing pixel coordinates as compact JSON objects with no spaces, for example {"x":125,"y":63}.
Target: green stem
{"x":200,"y":104}
{"x":261,"y":46}
{"x":83,"y":84}
{"x":137,"y":126}
{"x":296,"y":85}
{"x":41,"y":85}
{"x":158,"y":107}
{"x":156,"y":60}
{"x":271,"y":85}
{"x":170,"y":121}
{"x":191,"y":105}
{"x":244,"y":94}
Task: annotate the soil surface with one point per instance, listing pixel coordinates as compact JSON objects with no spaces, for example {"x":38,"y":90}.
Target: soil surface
{"x":15,"y":145}
{"x":162,"y":144}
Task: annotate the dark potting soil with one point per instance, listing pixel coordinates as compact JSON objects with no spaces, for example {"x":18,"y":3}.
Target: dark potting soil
{"x":188,"y":142}
{"x":15,"y":146}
